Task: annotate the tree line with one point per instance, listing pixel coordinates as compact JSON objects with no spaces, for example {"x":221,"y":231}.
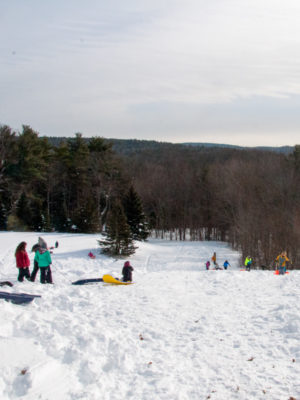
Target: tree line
{"x":248,"y":197}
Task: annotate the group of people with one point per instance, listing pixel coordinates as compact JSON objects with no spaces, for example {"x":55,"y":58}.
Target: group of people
{"x":281,"y":262}
{"x":226,"y":264}
{"x":42,"y":262}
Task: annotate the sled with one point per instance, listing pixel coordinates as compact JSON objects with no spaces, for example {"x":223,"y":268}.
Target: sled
{"x":87,"y":281}
{"x":277,"y":272}
{"x":6,"y":283}
{"x":110,"y":279}
{"x":18,"y":298}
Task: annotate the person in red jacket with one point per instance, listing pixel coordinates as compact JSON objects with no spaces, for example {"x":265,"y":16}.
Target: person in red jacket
{"x":22,"y":261}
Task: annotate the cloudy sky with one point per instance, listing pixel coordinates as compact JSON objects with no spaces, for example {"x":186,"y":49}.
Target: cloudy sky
{"x":222,"y":71}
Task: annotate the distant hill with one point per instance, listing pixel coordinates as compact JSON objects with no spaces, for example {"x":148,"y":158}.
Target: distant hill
{"x":281,"y":149}
{"x":129,"y":146}
{"x":126,"y":146}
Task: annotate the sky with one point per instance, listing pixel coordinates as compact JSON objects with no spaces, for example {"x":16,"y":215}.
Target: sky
{"x":218,"y":71}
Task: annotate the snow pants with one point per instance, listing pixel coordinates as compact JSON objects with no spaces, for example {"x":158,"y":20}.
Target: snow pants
{"x":34,"y":271}
{"x":127,"y":277}
{"x":46,"y":274}
{"x":282,"y":270}
{"x":23,"y":272}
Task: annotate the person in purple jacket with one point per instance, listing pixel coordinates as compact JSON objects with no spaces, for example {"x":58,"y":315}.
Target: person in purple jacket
{"x":127,"y":272}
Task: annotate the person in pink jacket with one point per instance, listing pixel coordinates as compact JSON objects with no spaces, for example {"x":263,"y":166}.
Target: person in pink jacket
{"x":22,"y":261}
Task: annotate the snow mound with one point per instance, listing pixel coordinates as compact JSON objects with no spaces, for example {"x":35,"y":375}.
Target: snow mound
{"x":180,"y":332}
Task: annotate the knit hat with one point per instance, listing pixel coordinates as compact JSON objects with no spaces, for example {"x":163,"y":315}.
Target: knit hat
{"x":42,"y":243}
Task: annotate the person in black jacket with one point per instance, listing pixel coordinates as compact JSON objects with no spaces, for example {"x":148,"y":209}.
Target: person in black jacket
{"x":35,"y":264}
{"x":127,"y":272}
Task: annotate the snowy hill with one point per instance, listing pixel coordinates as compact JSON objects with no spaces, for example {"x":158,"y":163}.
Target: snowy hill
{"x":179,"y":332}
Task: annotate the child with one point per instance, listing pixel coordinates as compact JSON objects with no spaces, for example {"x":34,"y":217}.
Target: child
{"x":34,"y":249}
{"x":127,"y":272}
{"x":226,"y":265}
{"x":43,"y":259}
{"x":214,"y":260}
{"x":34,"y":271}
{"x":207,"y":265}
{"x":248,"y":262}
{"x":41,"y":244}
{"x":281,"y":262}
{"x":22,"y":261}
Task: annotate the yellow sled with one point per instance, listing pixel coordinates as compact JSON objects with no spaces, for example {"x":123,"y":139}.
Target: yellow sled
{"x":110,"y":279}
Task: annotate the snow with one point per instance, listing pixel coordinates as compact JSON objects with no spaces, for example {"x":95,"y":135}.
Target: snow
{"x":179,"y":333}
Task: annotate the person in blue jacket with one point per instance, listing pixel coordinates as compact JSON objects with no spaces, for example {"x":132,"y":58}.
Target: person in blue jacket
{"x":43,"y":259}
{"x":226,"y":264}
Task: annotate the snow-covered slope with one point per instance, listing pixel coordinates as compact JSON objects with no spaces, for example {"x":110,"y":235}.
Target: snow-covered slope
{"x":179,"y":332}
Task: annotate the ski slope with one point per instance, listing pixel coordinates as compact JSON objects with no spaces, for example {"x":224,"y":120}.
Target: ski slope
{"x":179,"y":333}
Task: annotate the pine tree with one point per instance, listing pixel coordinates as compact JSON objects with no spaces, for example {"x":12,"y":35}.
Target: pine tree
{"x":135,"y":217}
{"x":28,"y":176}
{"x":85,"y":218}
{"x":22,"y":207}
{"x":29,"y":212}
{"x":118,"y":241}
{"x":3,"y":215}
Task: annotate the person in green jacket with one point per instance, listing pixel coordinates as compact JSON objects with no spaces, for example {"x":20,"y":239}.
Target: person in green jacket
{"x":248,"y":262}
{"x":43,"y":259}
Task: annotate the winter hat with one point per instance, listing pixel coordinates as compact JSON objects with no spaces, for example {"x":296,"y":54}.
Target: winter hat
{"x":127,"y":264}
{"x":42,"y":243}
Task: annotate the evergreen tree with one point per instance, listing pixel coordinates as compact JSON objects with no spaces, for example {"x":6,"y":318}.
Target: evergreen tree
{"x":102,"y":181}
{"x":85,"y":218}
{"x":60,"y":189}
{"x":22,"y":208}
{"x":30,"y":211}
{"x":135,"y":217}
{"x":71,"y":202}
{"x":118,"y":241}
{"x":33,"y":157}
{"x":8,"y":159}
{"x":3,"y":216}
{"x":28,"y":175}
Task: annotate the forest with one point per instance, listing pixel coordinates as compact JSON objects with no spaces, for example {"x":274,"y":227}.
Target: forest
{"x":247,"y":197}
